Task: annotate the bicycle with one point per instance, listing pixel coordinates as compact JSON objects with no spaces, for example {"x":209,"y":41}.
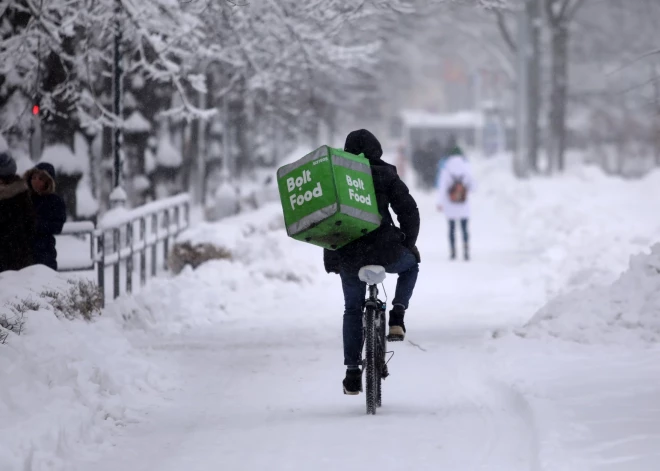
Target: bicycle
{"x":375,"y":339}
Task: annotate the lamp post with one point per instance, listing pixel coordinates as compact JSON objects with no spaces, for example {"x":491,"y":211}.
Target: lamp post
{"x":118,"y":195}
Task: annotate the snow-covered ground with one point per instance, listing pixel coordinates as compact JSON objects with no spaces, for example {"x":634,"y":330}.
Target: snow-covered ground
{"x":64,"y":386}
{"x":490,"y":377}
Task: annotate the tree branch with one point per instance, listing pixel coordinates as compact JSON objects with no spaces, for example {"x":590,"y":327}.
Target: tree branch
{"x":573,"y":11}
{"x":562,"y":10}
{"x":550,"y":11}
{"x":504,"y":31}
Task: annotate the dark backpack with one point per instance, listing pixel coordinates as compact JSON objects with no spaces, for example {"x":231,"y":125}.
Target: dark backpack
{"x":457,"y":190}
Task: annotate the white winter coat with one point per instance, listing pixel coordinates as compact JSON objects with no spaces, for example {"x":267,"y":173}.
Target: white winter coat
{"x":456,"y":166}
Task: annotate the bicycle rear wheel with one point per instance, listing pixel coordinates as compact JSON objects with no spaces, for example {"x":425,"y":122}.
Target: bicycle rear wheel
{"x":371,"y":361}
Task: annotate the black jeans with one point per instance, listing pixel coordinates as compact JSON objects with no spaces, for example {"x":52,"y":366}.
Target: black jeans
{"x":452,"y":234}
{"x":354,"y":294}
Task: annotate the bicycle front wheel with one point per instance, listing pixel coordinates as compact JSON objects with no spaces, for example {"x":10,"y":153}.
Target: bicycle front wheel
{"x":371,"y":364}
{"x":381,"y":364}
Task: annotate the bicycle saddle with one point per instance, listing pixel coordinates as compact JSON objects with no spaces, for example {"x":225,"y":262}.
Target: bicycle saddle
{"x":372,"y":274}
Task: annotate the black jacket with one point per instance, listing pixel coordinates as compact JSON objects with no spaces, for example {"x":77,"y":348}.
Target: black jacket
{"x":16,"y":225}
{"x":386,"y":244}
{"x":50,"y":213}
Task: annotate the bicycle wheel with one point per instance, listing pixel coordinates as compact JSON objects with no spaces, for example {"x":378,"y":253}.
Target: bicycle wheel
{"x":380,"y":357}
{"x":371,"y":362}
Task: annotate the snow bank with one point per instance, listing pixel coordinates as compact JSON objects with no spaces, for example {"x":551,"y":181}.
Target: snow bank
{"x":626,"y":311}
{"x":576,"y":233}
{"x":64,"y":384}
{"x":237,"y":234}
{"x":265,"y":266}
{"x":583,"y":226}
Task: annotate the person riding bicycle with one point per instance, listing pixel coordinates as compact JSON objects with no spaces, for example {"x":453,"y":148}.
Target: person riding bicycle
{"x":389,"y":246}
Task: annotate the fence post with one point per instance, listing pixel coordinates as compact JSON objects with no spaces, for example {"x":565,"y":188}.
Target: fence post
{"x":117,"y":266}
{"x":154,"y":247}
{"x":91,"y":246}
{"x":129,"y":260}
{"x":100,"y":264}
{"x":143,"y":252}
{"x":166,"y":242}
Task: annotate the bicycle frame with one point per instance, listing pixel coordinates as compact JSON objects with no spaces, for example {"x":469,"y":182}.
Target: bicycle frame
{"x":373,"y":295}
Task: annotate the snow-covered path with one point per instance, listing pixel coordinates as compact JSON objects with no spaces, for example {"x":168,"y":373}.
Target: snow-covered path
{"x":260,"y":388}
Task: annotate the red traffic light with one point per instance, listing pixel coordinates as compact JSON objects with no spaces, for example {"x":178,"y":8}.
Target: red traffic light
{"x":35,"y":110}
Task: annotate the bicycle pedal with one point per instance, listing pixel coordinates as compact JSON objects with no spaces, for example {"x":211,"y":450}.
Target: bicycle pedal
{"x":395,"y":338}
{"x":384,"y":372}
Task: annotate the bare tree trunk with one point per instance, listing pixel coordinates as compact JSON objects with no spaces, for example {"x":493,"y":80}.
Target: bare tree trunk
{"x":521,"y":157}
{"x":655,"y":129}
{"x":240,"y":123}
{"x":526,"y":47}
{"x":533,"y":8}
{"x":558,"y":96}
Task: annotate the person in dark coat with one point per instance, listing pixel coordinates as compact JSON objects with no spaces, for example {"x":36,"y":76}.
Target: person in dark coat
{"x":389,"y":246}
{"x":16,"y":218}
{"x":50,"y":213}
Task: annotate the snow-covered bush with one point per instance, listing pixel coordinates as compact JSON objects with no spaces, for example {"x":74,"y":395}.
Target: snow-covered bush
{"x":38,"y":288}
{"x":195,"y":255}
{"x":82,"y":300}
{"x":15,"y":320}
{"x":231,"y":239}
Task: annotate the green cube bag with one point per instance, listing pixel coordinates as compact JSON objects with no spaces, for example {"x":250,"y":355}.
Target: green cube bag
{"x":328,"y":198}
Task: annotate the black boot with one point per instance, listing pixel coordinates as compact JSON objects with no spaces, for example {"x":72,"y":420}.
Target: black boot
{"x":353,"y":381}
{"x":397,"y":328}
{"x":466,"y":252}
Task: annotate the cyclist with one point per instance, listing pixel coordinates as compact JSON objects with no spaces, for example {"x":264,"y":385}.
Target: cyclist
{"x":389,"y":246}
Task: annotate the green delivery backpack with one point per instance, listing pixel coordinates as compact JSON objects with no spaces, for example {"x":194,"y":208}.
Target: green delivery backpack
{"x":328,"y":198}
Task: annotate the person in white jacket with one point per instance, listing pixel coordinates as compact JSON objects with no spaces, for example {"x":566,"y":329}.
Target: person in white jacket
{"x":455,"y":185}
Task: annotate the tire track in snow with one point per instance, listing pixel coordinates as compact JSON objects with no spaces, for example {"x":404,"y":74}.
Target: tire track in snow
{"x":513,"y":442}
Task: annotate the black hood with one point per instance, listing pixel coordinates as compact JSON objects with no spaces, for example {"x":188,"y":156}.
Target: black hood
{"x":48,"y":168}
{"x":363,"y":142}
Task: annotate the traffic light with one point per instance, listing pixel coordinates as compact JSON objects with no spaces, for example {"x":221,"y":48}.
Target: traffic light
{"x":36,"y":106}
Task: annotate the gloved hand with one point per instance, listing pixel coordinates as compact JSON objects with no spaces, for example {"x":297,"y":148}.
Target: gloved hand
{"x":415,"y":252}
